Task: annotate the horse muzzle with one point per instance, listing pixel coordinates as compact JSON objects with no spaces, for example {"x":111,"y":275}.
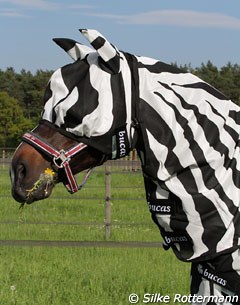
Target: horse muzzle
{"x":40,"y":189}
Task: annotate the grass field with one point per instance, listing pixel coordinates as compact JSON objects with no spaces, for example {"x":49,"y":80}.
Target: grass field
{"x":84,"y":276}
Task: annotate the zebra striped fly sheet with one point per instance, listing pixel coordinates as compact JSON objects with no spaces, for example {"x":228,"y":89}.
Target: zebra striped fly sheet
{"x":186,"y":133}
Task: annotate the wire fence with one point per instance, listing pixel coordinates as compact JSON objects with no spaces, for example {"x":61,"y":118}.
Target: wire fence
{"x":127,"y":166}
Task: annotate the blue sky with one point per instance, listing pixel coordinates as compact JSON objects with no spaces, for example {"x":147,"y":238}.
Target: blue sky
{"x":182,"y":31}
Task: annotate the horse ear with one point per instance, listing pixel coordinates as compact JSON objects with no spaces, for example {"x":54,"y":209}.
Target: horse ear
{"x":108,"y":53}
{"x":74,"y":49}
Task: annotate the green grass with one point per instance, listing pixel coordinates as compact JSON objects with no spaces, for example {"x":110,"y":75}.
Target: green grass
{"x":100,"y":276}
{"x":79,"y":276}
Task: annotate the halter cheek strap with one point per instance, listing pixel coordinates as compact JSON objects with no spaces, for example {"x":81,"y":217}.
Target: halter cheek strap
{"x":61,"y":158}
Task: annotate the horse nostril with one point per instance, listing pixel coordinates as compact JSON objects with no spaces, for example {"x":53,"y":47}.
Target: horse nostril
{"x":21,"y":171}
{"x":17,"y":178}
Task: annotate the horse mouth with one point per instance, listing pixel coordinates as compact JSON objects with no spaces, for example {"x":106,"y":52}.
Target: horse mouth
{"x":32,"y":195}
{"x":43,"y":191}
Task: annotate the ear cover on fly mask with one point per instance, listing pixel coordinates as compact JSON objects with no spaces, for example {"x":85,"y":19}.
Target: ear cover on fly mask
{"x":107,"y":52}
{"x":74,"y":49}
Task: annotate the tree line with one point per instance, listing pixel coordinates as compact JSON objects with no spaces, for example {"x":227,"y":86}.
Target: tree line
{"x":21,"y":95}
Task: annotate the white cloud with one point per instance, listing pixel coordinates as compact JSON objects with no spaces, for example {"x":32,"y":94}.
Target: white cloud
{"x":185,"y":18}
{"x":32,"y":4}
{"x":45,"y":4}
{"x":12,"y":13}
{"x":81,"y":6}
{"x":21,"y":8}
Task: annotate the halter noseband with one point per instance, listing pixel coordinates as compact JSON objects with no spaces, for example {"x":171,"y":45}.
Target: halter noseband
{"x":61,"y":158}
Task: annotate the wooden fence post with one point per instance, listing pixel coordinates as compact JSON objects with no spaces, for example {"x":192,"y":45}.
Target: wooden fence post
{"x":107,"y":202}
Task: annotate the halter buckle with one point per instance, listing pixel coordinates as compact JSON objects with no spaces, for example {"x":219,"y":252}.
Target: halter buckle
{"x":61,"y":159}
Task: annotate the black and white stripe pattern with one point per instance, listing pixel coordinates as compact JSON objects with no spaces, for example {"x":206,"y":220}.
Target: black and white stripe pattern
{"x":189,"y":130}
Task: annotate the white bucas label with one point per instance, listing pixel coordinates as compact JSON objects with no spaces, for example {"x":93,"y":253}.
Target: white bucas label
{"x":120,"y":144}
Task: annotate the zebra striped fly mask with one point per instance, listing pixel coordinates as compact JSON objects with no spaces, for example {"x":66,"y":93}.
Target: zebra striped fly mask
{"x":90,"y":99}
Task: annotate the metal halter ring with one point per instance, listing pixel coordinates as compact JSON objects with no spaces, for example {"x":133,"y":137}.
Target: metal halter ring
{"x":62,"y":157}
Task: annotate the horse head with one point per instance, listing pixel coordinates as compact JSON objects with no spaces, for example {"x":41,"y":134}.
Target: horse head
{"x":84,"y":122}
{"x":35,"y":169}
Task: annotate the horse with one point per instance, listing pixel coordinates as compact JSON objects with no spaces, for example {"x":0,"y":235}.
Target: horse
{"x":109,"y":102}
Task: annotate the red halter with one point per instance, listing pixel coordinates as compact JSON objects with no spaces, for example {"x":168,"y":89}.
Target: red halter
{"x":61,"y":158}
